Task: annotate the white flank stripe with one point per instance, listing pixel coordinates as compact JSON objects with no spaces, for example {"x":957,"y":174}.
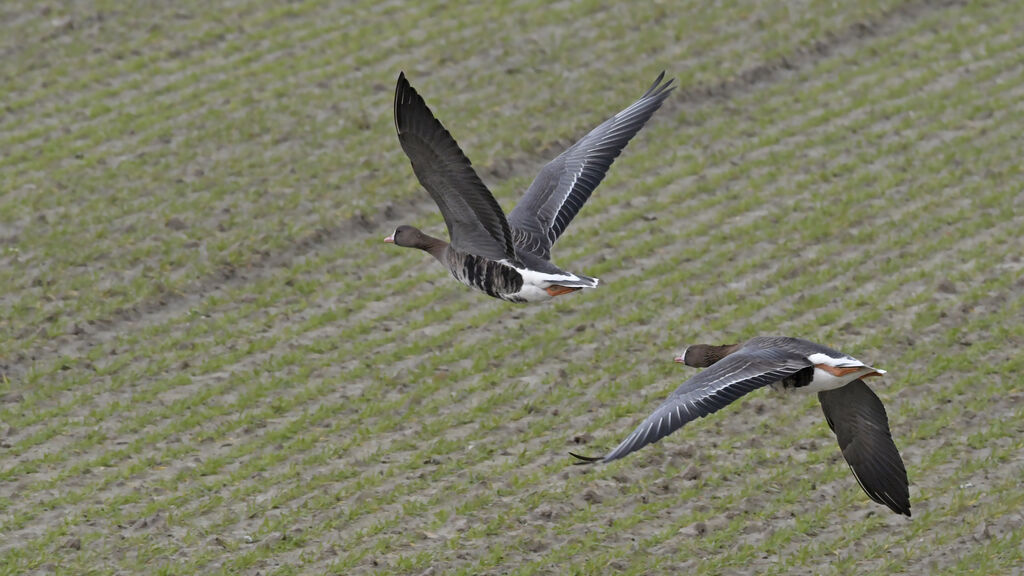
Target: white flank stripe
{"x":842,"y":362}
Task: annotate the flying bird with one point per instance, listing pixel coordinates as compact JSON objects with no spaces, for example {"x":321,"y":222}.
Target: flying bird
{"x":508,"y":258}
{"x":852,"y":410}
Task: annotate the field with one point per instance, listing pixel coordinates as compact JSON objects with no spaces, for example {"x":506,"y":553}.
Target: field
{"x":210,"y":363}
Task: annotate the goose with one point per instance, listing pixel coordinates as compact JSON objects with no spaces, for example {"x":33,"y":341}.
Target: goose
{"x":508,"y":258}
{"x":853,"y":411}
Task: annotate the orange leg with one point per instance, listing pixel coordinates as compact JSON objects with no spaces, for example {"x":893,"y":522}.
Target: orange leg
{"x":838,"y":372}
{"x":559,"y":290}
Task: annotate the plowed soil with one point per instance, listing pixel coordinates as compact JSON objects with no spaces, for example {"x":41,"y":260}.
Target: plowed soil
{"x":210,"y":363}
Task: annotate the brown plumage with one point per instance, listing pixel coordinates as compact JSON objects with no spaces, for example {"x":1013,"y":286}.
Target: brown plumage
{"x":509,"y":257}
{"x":852,"y":410}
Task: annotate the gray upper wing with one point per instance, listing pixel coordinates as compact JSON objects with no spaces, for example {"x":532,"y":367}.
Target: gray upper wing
{"x":565,"y":184}
{"x":476,"y":223}
{"x":713,"y":389}
{"x":858,"y":418}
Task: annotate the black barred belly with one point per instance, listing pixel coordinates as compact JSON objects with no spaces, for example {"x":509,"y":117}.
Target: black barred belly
{"x":798,"y":380}
{"x":488,"y":276}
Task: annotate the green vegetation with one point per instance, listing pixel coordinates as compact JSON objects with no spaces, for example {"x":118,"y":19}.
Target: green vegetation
{"x":211,"y":364}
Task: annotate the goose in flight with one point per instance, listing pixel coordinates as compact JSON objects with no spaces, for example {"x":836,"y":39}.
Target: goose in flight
{"x":852,"y":410}
{"x":508,"y":257}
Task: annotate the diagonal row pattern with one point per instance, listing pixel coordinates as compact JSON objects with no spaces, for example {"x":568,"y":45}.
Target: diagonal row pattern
{"x":199,"y":378}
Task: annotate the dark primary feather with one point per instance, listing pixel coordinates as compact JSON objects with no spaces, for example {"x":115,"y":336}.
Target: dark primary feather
{"x":858,"y":418}
{"x":711,"y":390}
{"x":565,"y":184}
{"x":475,"y":221}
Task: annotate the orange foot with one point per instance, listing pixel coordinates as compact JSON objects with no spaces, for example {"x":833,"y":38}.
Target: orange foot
{"x":838,"y":372}
{"x":559,"y":290}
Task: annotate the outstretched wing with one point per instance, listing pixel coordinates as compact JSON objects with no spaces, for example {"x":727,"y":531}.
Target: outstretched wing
{"x":858,"y":418}
{"x":713,"y":389}
{"x":476,"y":223}
{"x":565,"y":184}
